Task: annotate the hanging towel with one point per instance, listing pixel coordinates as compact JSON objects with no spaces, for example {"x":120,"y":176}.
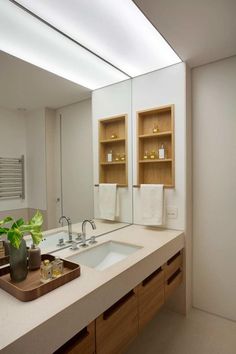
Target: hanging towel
{"x":108,"y":201}
{"x":152,"y":204}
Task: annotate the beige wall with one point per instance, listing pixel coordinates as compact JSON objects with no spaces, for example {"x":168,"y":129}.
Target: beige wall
{"x":214,"y":192}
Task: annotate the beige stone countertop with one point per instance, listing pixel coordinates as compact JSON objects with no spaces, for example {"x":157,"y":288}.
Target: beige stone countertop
{"x":44,"y":324}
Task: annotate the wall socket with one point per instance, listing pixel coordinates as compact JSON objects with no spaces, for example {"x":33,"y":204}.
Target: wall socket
{"x":172,"y":212}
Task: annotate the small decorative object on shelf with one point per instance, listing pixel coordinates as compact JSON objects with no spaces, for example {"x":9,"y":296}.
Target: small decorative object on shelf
{"x":146,"y":155}
{"x":153,"y":155}
{"x":17,"y":244}
{"x":155,"y":129}
{"x":122,"y":157}
{"x":109,"y":156}
{"x":162,"y":152}
{"x":117,"y":158}
{"x":114,"y":136}
{"x":46,"y":271}
{"x":57,"y":267}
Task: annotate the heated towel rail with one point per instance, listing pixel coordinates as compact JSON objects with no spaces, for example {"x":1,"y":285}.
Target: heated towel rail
{"x":12,"y":178}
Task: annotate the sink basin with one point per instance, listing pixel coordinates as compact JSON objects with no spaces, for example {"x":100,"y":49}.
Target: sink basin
{"x":105,"y":255}
{"x":49,"y":242}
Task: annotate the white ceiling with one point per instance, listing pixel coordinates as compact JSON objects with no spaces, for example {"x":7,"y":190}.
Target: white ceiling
{"x":115,"y":30}
{"x":200,"y":31}
{"x":23,"y":85}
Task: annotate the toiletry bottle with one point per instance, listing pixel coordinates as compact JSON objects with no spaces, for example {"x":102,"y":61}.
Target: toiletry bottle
{"x":57,"y":267}
{"x":34,"y":254}
{"x":117,"y":158}
{"x":109,"y":156}
{"x":161,"y":152}
{"x":146,"y":155}
{"x":46,"y":271}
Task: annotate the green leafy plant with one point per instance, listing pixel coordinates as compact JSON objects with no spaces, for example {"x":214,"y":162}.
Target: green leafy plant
{"x":17,"y":229}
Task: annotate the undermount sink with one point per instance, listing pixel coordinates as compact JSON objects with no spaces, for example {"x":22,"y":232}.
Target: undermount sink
{"x":105,"y":255}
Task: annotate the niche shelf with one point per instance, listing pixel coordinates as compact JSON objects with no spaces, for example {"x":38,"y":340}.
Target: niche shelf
{"x":113,"y":137}
{"x":155,"y":127}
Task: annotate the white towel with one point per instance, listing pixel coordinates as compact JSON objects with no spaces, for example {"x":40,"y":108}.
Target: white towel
{"x":108,"y":201}
{"x":152,"y":204}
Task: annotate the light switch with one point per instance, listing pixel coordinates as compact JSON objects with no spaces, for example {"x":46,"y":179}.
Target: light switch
{"x":172,"y":212}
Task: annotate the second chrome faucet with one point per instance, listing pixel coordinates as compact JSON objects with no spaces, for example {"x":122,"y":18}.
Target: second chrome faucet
{"x":83,"y":236}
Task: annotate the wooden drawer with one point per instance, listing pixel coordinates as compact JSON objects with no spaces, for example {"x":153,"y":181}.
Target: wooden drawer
{"x":118,"y":325}
{"x":173,"y":282}
{"x":173,"y":264}
{"x":81,"y":343}
{"x":151,"y":296}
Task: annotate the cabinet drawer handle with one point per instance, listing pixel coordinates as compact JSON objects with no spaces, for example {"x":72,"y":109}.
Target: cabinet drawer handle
{"x":173,"y":276}
{"x":173,"y":258}
{"x":109,"y":312}
{"x":151,"y":276}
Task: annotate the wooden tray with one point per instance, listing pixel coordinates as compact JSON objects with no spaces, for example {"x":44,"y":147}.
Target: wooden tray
{"x":31,"y":288}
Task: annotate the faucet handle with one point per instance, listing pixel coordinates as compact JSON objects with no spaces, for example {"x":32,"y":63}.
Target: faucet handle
{"x":74,"y":245}
{"x":92,"y":240}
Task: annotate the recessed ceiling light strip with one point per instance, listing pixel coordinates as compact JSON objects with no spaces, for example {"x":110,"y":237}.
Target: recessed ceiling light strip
{"x":65,"y":35}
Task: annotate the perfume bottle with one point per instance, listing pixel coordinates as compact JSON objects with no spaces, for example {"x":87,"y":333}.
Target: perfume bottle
{"x":109,"y":156}
{"x":45,"y":271}
{"x":146,"y":155}
{"x":57,"y":267}
{"x":113,"y":136}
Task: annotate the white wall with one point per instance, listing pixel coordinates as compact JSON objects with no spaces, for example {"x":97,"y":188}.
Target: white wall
{"x":12,"y":144}
{"x":36,"y":159}
{"x":159,"y":88}
{"x":214,"y":192}
{"x":77,"y":160}
{"x":107,"y":102}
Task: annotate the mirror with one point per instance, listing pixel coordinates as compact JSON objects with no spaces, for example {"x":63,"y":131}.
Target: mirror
{"x":53,"y":123}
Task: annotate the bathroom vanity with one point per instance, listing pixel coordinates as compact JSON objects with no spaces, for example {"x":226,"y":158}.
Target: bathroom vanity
{"x":115,"y":303}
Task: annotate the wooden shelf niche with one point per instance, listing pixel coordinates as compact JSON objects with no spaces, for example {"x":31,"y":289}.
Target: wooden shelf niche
{"x":113,"y":137}
{"x":156,"y":171}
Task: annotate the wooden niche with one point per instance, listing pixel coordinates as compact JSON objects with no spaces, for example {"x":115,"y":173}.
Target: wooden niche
{"x":113,"y":140}
{"x":155,"y":130}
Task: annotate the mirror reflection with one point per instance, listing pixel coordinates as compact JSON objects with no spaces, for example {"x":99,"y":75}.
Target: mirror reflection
{"x":53,"y":123}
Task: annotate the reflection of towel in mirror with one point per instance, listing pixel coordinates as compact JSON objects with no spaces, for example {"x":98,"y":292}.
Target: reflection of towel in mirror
{"x":152,"y":204}
{"x":108,"y":201}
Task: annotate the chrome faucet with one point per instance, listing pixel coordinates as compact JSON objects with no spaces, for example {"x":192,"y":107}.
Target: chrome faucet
{"x":83,"y":236}
{"x":69,"y":226}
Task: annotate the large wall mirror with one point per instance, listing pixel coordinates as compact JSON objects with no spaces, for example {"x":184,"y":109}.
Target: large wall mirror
{"x":53,"y":123}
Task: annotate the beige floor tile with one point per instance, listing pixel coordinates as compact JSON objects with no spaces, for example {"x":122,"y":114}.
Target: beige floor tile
{"x":199,"y":333}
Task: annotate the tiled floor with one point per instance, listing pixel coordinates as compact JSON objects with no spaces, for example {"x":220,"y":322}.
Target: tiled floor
{"x":199,"y":333}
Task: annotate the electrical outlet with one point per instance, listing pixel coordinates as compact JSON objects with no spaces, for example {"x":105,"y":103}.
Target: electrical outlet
{"x":172,"y":212}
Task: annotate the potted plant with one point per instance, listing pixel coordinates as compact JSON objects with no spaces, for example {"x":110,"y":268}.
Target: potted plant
{"x":15,"y":231}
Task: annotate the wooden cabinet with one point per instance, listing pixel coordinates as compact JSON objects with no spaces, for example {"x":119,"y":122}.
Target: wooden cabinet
{"x":155,"y":129}
{"x":118,"y":326}
{"x":113,"y":140}
{"x":81,"y":343}
{"x":151,"y":296}
{"x":173,"y":273}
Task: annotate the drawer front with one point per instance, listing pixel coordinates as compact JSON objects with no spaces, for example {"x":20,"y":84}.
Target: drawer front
{"x":173,"y":264}
{"x":82,"y":343}
{"x":173,"y":282}
{"x":118,"y":326}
